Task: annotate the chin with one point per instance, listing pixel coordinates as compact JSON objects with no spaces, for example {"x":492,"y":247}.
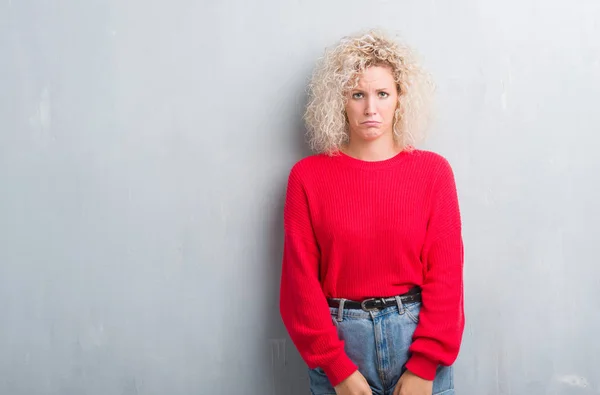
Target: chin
{"x":371,"y":136}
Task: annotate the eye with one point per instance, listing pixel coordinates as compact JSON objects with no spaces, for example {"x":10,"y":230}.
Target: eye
{"x":383,"y":94}
{"x":357,"y":95}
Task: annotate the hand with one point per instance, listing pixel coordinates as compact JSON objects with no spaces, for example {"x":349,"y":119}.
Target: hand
{"x":355,"y":384}
{"x":411,"y":384}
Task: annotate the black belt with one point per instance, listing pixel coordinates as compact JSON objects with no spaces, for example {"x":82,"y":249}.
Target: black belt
{"x":412,"y":296}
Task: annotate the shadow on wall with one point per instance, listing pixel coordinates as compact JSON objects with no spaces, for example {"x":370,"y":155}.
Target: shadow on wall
{"x":288,"y":372}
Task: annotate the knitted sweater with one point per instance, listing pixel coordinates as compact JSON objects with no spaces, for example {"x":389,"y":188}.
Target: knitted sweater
{"x":356,"y":229}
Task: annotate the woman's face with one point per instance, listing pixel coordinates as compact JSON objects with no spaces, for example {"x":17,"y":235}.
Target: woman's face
{"x":371,"y":105}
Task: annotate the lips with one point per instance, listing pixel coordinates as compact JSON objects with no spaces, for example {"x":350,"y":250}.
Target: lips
{"x":371,"y":123}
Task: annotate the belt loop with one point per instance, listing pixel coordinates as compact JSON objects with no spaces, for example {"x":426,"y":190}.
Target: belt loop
{"x":400,"y":305}
{"x":340,"y":314}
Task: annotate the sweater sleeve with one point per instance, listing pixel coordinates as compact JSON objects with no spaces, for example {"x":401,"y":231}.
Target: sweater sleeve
{"x":438,"y":335}
{"x":303,"y":306}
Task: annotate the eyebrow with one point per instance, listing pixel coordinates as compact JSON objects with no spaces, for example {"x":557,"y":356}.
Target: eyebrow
{"x":377,"y":90}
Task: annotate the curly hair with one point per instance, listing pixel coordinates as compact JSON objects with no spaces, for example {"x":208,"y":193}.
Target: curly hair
{"x":337,"y":72}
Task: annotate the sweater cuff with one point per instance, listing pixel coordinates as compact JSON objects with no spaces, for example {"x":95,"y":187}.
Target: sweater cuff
{"x":422,"y":366}
{"x":339,"y":370}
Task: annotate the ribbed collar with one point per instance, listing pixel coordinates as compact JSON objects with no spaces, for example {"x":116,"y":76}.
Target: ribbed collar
{"x":371,"y":165}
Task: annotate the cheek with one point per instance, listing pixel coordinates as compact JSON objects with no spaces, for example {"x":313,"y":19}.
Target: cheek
{"x":352,"y":113}
{"x":389,"y":108}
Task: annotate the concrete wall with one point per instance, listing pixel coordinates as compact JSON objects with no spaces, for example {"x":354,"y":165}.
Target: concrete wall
{"x":144,"y":150}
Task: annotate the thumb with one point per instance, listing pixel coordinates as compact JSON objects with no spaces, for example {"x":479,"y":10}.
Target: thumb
{"x":397,"y":389}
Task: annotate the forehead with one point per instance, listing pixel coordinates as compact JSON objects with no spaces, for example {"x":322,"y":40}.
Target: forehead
{"x":380,"y":75}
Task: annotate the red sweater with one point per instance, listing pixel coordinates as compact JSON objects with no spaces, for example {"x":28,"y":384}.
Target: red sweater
{"x":358,"y":229}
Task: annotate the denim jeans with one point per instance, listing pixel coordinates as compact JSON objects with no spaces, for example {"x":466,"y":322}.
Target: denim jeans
{"x":377,"y":342}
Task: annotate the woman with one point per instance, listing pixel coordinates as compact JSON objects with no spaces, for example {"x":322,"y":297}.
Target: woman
{"x":372,"y":284}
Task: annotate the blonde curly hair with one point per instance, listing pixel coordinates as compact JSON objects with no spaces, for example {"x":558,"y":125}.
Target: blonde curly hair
{"x":337,"y":72}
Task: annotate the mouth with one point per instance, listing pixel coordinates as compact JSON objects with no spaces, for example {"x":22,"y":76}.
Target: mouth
{"x":371,"y":123}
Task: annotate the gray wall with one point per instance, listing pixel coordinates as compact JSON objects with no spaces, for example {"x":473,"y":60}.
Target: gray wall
{"x":144,"y":150}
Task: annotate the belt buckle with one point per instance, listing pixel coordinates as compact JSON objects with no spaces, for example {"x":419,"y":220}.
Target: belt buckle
{"x":365,"y":308}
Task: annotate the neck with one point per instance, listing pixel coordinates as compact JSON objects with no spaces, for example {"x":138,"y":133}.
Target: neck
{"x":376,"y":150}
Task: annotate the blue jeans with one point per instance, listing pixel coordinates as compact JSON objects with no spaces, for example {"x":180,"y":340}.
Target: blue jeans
{"x":377,"y":342}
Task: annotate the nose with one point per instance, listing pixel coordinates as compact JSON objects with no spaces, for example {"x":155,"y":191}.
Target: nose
{"x":370,"y":108}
